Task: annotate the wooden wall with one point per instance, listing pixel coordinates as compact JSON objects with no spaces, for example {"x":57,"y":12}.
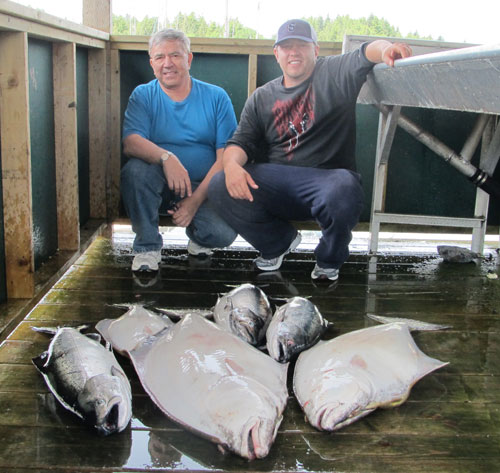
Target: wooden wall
{"x":63,"y":93}
{"x":39,"y":137}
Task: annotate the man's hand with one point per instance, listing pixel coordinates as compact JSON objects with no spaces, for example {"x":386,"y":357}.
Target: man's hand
{"x":177,"y":177}
{"x":184,"y":211}
{"x":395,"y":51}
{"x":238,"y":182}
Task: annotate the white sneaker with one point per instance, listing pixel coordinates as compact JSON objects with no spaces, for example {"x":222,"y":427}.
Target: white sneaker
{"x":198,"y":250}
{"x":274,"y":263}
{"x":325,"y":273}
{"x":146,"y":261}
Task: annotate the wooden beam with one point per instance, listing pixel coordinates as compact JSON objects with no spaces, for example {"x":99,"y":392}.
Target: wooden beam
{"x":114,"y":164}
{"x":16,"y":165}
{"x":98,"y":131}
{"x":66,"y":145}
{"x":97,"y":14}
{"x":15,"y":17}
{"x":219,"y":45}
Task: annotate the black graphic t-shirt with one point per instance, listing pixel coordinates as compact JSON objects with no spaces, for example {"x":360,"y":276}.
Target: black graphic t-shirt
{"x":312,"y":124}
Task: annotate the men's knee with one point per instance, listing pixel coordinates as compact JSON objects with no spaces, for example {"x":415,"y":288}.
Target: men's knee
{"x":345,"y":197}
{"x":347,"y":187}
{"x":134,"y":171}
{"x":217,"y":186}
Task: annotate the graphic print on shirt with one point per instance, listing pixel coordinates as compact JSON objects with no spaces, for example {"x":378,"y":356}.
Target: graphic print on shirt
{"x":292,"y":118}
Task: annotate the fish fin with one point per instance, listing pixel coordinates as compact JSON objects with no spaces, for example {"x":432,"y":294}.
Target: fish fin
{"x":122,"y":305}
{"x":48,"y":330}
{"x":94,"y":336}
{"x":40,"y":361}
{"x":413,"y":325}
{"x":222,"y":449}
{"x":115,"y":371}
{"x":53,"y":330}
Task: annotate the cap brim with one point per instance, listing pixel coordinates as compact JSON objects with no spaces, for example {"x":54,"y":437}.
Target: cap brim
{"x":303,"y":38}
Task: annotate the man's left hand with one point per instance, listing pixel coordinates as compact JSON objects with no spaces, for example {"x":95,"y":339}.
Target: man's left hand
{"x":184,"y":211}
{"x":395,"y":51}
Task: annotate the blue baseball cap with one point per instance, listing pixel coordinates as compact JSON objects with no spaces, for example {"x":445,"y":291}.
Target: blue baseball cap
{"x":296,"y":29}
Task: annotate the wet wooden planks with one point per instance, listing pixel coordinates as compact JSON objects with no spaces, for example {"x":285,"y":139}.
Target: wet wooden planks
{"x":450,"y":422}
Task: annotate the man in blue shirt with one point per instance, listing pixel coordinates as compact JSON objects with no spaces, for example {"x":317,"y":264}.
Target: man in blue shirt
{"x":174,"y":131}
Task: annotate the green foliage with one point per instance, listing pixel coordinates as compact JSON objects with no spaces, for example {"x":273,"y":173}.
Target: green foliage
{"x":197,"y":26}
{"x":335,"y":30}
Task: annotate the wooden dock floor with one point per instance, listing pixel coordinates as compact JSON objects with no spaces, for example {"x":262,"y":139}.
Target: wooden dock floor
{"x":450,"y":423}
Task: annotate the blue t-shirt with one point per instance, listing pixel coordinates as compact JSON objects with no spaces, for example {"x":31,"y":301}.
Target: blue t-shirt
{"x":192,"y":129}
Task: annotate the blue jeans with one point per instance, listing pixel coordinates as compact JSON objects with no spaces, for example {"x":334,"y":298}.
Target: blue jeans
{"x":146,"y":194}
{"x":332,"y":197}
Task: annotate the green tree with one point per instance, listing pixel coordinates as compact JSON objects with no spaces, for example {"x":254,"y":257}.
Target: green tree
{"x":334,"y":30}
{"x":327,"y":29}
{"x":121,"y":24}
{"x":147,"y":26}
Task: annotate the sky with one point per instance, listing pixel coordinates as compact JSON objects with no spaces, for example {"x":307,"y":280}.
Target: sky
{"x":455,"y":21}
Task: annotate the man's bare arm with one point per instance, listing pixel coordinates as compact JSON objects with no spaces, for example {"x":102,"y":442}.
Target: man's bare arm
{"x":175,"y":173}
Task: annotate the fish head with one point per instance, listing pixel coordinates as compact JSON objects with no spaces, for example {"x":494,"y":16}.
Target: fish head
{"x":295,"y":326}
{"x":285,"y":341}
{"x":340,"y":399}
{"x":106,"y":403}
{"x":247,"y":325}
{"x":249,"y":426}
{"x":257,"y":436}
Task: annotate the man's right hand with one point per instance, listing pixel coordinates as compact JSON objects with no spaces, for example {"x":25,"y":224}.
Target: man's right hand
{"x":239,"y":182}
{"x":177,"y":177}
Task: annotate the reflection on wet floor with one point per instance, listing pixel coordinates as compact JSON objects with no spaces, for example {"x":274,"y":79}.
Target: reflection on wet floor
{"x":449,"y":423}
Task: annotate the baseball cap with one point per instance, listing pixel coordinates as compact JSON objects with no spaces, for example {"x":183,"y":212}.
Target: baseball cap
{"x":296,"y":29}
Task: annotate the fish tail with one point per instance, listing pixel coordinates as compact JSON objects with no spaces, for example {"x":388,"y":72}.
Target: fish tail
{"x":413,"y":325}
{"x":53,"y":330}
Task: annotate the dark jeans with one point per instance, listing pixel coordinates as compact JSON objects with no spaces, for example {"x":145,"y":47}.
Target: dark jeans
{"x":145,"y":194}
{"x":332,"y":197}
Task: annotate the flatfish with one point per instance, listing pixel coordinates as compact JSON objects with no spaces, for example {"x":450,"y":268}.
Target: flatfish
{"x":246,"y":312}
{"x":214,"y":384}
{"x":132,"y":328}
{"x":86,"y":379}
{"x":295,"y":326}
{"x":341,"y":380}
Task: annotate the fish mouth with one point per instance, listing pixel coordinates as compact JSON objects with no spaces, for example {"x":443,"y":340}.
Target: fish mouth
{"x":278,"y":350}
{"x":335,"y":416}
{"x":259,"y":437}
{"x":111,"y":421}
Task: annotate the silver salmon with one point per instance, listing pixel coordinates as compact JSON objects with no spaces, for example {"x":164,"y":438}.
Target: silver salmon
{"x":244,"y":311}
{"x":86,"y":379}
{"x":295,"y":326}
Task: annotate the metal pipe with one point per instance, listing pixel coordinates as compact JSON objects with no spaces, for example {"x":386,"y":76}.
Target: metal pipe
{"x":475,"y":175}
{"x":474,"y":138}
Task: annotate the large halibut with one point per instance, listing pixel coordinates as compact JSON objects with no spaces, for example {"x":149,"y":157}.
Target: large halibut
{"x":341,"y":380}
{"x":215,"y":384}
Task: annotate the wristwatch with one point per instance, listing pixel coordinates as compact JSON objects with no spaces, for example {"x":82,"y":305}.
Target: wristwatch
{"x":164,"y":157}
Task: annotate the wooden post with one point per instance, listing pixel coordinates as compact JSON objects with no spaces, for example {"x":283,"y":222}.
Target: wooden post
{"x":66,"y":145}
{"x":16,"y":165}
{"x":116,"y":133}
{"x":97,"y":14}
{"x":252,"y":73}
{"x":98,"y":131}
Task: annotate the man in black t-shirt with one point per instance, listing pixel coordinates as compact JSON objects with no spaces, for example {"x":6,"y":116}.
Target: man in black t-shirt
{"x":292,"y":156}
